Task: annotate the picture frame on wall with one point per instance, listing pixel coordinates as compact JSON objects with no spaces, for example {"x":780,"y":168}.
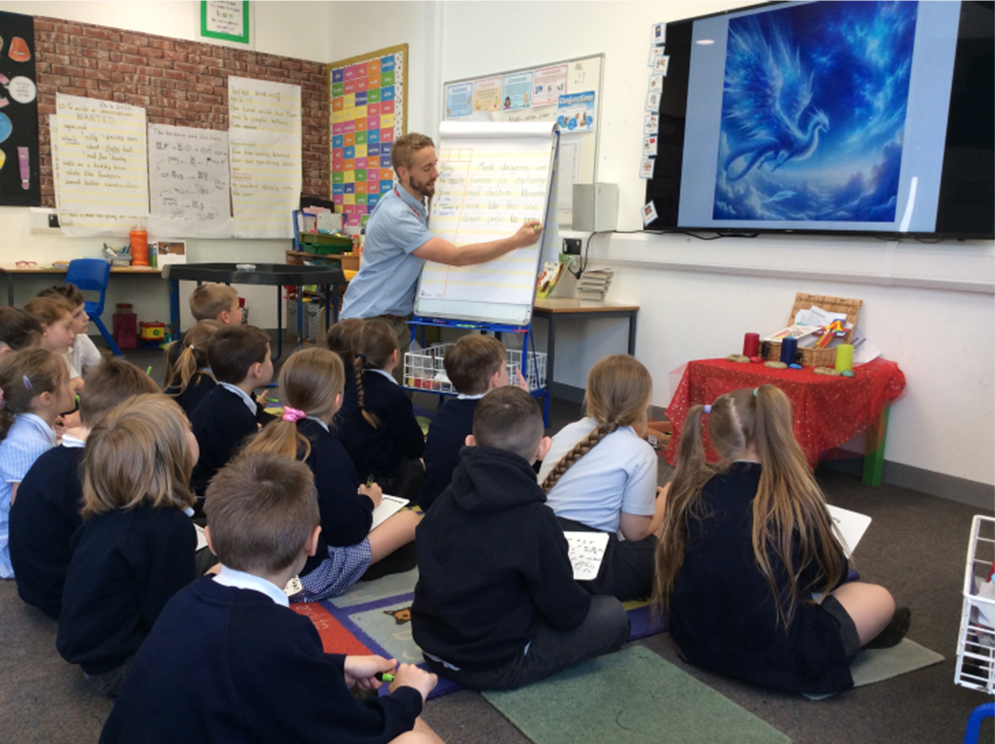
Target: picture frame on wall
{"x":226,"y":22}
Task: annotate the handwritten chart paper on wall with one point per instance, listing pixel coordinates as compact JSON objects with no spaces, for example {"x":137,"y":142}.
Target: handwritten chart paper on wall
{"x":188,"y":181}
{"x":264,"y":142}
{"x":102,"y":168}
{"x":493,"y":177}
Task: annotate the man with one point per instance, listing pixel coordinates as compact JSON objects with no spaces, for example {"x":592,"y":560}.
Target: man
{"x":398,"y":242}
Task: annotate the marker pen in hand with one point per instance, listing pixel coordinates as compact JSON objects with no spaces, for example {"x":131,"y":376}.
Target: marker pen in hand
{"x":384,"y":676}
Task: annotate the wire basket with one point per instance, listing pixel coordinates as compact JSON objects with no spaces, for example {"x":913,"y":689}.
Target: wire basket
{"x":976,"y":642}
{"x":425,"y":370}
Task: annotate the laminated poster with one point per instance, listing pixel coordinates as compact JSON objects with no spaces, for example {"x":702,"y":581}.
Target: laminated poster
{"x":459,"y":99}
{"x":549,"y":84}
{"x":20,"y":172}
{"x":516,"y":91}
{"x":575,"y":112}
{"x":487,"y":95}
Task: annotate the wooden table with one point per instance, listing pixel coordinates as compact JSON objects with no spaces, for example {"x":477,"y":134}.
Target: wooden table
{"x":11,"y":271}
{"x":567,"y":309}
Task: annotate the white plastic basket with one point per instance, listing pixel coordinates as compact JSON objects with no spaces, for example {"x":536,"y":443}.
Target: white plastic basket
{"x":424,"y":370}
{"x":976,"y":642}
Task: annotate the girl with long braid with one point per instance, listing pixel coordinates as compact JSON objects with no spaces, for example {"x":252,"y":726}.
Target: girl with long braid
{"x":378,"y":428}
{"x":600,"y":475}
{"x":748,"y":566}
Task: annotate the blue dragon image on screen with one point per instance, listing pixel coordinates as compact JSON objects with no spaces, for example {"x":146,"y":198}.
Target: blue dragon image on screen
{"x":813,"y":112}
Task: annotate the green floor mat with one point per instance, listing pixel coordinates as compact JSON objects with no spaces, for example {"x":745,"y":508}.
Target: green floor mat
{"x":635,"y":696}
{"x":877,"y":665}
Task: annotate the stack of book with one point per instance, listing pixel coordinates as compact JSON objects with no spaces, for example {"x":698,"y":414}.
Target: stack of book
{"x":593,"y":285}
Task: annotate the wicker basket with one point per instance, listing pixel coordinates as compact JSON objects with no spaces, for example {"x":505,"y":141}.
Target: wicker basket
{"x":771,"y":350}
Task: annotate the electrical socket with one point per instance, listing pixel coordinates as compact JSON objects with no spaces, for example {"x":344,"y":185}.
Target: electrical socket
{"x":571,"y":246}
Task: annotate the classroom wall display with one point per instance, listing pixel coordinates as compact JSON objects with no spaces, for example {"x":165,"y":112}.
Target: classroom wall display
{"x":566,"y":92}
{"x":177,"y":83}
{"x":369,"y":111}
{"x":492,"y":178}
{"x":19,"y":162}
{"x":226,"y":21}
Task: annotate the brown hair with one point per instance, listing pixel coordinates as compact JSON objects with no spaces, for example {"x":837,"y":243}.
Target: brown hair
{"x":509,"y":419}
{"x":68,"y":292}
{"x":109,"y":384}
{"x":138,"y":456}
{"x":18,"y":329}
{"x":374,"y":347}
{"x":235,"y":348}
{"x":185,"y":359}
{"x":261,"y":509}
{"x":471,"y":361}
{"x":341,"y":338}
{"x":24,"y":375}
{"x":618,"y":393}
{"x":789,"y":510}
{"x":48,"y":310}
{"x":403,"y":151}
{"x":310,"y":380}
{"x":208,"y":301}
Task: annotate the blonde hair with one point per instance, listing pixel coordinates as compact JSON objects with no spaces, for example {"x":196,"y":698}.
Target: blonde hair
{"x":112,"y":382}
{"x":618,"y":393}
{"x":374,"y":347}
{"x":789,"y":509}
{"x":186,"y":359}
{"x":261,"y":509}
{"x":310,"y":380}
{"x":208,"y":301}
{"x":138,"y":456}
{"x":24,"y":375}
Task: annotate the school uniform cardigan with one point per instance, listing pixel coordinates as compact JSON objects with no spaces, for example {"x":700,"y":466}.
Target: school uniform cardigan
{"x":346,"y":516}
{"x":43,"y":519}
{"x":380,"y":451}
{"x":722,"y":613}
{"x":126,"y":564}
{"x":221,"y":423}
{"x":226,"y":664}
{"x":198,"y":388}
{"x":446,"y":437}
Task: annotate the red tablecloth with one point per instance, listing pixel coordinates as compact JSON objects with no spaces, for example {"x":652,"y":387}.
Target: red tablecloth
{"x":828,"y":410}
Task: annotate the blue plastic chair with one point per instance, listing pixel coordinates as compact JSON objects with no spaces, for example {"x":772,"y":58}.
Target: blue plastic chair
{"x":93,"y":274}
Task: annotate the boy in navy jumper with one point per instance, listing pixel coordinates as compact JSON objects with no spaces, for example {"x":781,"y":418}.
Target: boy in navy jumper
{"x":475,"y":365}
{"x":228,"y":661}
{"x":46,"y":512}
{"x":239,"y":356}
{"x":496,"y":605}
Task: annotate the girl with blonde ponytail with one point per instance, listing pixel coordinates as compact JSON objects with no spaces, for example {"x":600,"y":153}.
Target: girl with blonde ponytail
{"x":311,"y":385}
{"x":188,"y":373}
{"x":600,"y":475}
{"x":749,"y":567}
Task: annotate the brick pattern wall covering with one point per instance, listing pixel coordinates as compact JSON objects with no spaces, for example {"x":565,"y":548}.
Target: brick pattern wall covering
{"x":183,"y":83}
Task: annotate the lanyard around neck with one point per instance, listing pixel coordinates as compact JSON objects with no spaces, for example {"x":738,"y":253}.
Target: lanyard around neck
{"x":417,"y":213}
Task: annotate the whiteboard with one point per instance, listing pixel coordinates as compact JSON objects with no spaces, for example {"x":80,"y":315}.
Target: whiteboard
{"x":492,"y":178}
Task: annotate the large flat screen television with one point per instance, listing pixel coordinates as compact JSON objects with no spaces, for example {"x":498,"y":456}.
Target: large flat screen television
{"x":829,"y":118}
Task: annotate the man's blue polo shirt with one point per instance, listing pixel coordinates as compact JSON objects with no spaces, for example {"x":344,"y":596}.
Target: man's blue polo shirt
{"x":388,"y":278}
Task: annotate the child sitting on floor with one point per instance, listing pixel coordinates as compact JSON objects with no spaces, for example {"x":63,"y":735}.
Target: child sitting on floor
{"x":496,"y":605}
{"x":311,"y":383}
{"x":136,"y":546}
{"x":50,"y":498}
{"x":84,"y":354}
{"x":216,"y":302}
{"x":34,"y":389}
{"x":381,"y":434}
{"x":55,"y":316}
{"x":748,"y":565}
{"x":601,"y":475}
{"x":475,"y":365}
{"x":18,"y":330}
{"x":228,"y":661}
{"x":188,"y":372}
{"x":239,"y":357}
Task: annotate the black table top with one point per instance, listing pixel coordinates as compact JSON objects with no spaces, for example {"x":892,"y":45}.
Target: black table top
{"x":262,"y":273}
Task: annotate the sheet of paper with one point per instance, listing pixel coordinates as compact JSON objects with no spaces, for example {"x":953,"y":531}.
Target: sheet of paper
{"x":986,"y":612}
{"x":389,"y":506}
{"x":586,"y":551}
{"x":852,"y":526}
{"x":102,"y":151}
{"x":864,"y":349}
{"x":493,"y":178}
{"x":264,"y":141}
{"x":201,"y":537}
{"x":189,"y":184}
{"x":816,"y":316}
{"x":568,"y":175}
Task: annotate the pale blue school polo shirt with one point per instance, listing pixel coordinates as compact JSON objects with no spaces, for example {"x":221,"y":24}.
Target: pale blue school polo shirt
{"x":388,"y":278}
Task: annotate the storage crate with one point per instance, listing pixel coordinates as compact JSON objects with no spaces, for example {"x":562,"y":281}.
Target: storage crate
{"x":658,"y":434}
{"x":425,"y":370}
{"x":313,"y":326}
{"x":976,"y":642}
{"x":816,"y":357}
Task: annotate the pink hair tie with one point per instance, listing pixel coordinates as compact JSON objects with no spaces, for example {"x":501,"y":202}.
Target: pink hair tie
{"x":293,"y":414}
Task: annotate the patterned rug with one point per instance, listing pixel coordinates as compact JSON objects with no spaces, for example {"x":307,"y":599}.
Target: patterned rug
{"x":375,"y":618}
